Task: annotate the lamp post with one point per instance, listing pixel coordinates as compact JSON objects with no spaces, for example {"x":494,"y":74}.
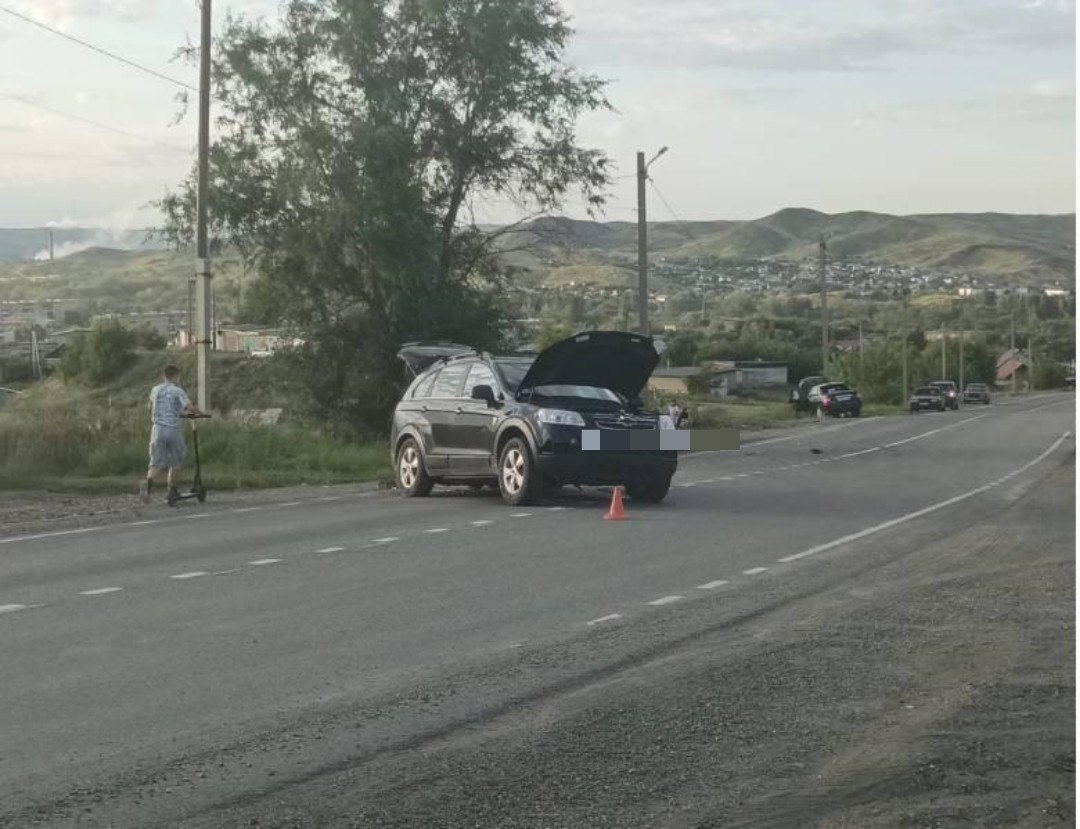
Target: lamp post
{"x":643,"y":266}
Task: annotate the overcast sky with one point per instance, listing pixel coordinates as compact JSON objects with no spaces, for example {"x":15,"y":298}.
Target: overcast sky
{"x":899,"y":106}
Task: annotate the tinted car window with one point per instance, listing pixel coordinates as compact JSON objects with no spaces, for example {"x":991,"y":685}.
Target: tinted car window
{"x":450,"y":380}
{"x":424,"y":388}
{"x":480,"y":375}
{"x":513,"y":371}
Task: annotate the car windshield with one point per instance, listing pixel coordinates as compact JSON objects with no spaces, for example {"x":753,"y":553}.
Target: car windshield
{"x":583,"y":392}
{"x":927,"y":390}
{"x":513,"y":370}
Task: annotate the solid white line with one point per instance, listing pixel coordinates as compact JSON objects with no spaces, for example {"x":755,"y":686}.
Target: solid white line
{"x":198,"y":515}
{"x":611,"y":617}
{"x":861,"y":452}
{"x":434,"y":530}
{"x":482,"y":523}
{"x":753,"y":571}
{"x":259,"y":562}
{"x":330,"y":550}
{"x":386,"y":540}
{"x":712,"y":585}
{"x":665,"y":600}
{"x":924,"y":511}
{"x":922,"y":435}
{"x":49,"y":535}
{"x":100,"y":591}
{"x":144,"y":523}
{"x":11,"y":608}
{"x":248,"y":509}
{"x":290,"y":504}
{"x":193,"y":575}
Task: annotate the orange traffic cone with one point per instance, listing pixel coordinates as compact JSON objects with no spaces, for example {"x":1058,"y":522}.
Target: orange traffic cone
{"x":615,"y":511}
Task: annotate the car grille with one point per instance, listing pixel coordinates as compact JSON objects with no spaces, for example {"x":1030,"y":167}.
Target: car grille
{"x":624,"y":424}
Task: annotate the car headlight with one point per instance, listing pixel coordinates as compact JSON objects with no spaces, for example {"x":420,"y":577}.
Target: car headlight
{"x":560,"y":417}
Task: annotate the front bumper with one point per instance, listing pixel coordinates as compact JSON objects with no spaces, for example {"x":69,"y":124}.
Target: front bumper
{"x":560,"y":457}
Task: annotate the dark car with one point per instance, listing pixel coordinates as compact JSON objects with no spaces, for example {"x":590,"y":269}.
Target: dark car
{"x":949,"y":392}
{"x":517,"y":421}
{"x":837,"y":400}
{"x":977,"y":393}
{"x":927,"y":398}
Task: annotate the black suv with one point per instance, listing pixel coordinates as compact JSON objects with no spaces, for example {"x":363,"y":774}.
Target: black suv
{"x":473,"y":418}
{"x":948,"y":391}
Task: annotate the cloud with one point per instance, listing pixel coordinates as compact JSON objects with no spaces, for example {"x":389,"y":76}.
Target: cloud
{"x":62,"y":14}
{"x":822,"y":35}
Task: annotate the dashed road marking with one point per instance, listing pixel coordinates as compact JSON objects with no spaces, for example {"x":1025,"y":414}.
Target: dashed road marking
{"x":55,"y":534}
{"x":290,"y":504}
{"x":332,"y":498}
{"x":197,"y":515}
{"x":330,"y":550}
{"x":100,"y":591}
{"x":481,"y":523}
{"x":556,"y":509}
{"x":12,"y":608}
{"x":521,"y":515}
{"x":753,"y":571}
{"x":712,"y":585}
{"x":665,"y":600}
{"x":225,"y":572}
{"x":435,"y":530}
{"x":248,"y":509}
{"x":192,"y":575}
{"x":144,"y":523}
{"x":611,"y":617}
{"x":260,"y":562}
{"x":387,"y":540}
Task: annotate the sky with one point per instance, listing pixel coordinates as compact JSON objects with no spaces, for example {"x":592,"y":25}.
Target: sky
{"x":897,"y":106}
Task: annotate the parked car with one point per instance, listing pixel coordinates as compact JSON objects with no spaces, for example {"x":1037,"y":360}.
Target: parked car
{"x":949,"y":392}
{"x":800,"y":395}
{"x":516,"y":421}
{"x":927,"y":398}
{"x":977,"y":393}
{"x":835,"y":399}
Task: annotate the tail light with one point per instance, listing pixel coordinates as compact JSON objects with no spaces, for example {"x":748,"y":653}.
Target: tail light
{"x":825,"y":401}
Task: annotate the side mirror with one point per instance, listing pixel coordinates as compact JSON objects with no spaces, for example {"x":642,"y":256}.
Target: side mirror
{"x":485,"y":393}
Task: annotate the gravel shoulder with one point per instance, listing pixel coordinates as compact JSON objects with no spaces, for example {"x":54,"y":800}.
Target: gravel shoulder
{"x":923,"y":680}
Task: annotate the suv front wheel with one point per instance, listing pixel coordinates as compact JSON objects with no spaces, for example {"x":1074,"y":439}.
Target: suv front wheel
{"x":518,"y":480}
{"x":412,"y":478}
{"x":651,"y":490}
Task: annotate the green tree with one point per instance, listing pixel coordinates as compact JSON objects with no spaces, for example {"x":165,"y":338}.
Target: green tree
{"x":99,"y":355}
{"x":354,"y":139}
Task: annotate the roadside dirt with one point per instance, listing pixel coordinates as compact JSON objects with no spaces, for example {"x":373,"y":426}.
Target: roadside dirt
{"x":932,"y":688}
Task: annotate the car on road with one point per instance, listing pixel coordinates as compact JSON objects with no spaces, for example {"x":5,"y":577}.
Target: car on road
{"x":949,"y":391}
{"x":518,"y":421}
{"x":977,"y":393}
{"x":927,"y":398}
{"x":800,"y":395}
{"x":835,"y":400}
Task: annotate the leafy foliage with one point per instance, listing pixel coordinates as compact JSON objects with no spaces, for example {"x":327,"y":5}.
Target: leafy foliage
{"x":355,"y":140}
{"x":101,"y":354}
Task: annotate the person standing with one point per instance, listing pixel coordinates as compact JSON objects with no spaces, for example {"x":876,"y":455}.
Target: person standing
{"x":168,"y":403}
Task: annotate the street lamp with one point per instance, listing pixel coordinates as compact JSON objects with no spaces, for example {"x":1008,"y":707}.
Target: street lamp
{"x":643,"y":269}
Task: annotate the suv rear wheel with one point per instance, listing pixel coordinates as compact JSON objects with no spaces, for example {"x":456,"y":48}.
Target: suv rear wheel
{"x":412,"y":478}
{"x":651,"y":490}
{"x":518,"y":481}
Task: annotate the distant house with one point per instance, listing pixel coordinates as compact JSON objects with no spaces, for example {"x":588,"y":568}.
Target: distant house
{"x":756,"y":376}
{"x":258,"y":342}
{"x":1012,"y":363}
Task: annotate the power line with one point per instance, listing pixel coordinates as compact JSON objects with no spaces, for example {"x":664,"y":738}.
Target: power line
{"x":97,"y":49}
{"x":661,"y":195}
{"x":97,"y":124}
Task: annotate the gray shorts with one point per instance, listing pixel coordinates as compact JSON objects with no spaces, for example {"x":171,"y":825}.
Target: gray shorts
{"x":167,"y":447}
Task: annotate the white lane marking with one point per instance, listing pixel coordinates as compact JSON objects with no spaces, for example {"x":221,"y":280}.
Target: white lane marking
{"x":12,"y":608}
{"x":259,"y":562}
{"x":712,"y":585}
{"x":225,"y":572}
{"x":861,"y":452}
{"x":387,"y":540}
{"x":665,"y":600}
{"x":742,"y":475}
{"x":330,"y":550}
{"x":192,"y":575}
{"x":332,"y":498}
{"x":434,"y":530}
{"x":144,"y":523}
{"x":556,"y":509}
{"x":922,"y":435}
{"x":248,"y":509}
{"x":709,"y":481}
{"x":753,"y":571}
{"x":688,"y":485}
{"x":100,"y":591}
{"x":521,"y":515}
{"x":290,"y":504}
{"x":36,"y":536}
{"x":611,"y":617}
{"x":884,"y":525}
{"x":197,"y":515}
{"x":481,"y":523}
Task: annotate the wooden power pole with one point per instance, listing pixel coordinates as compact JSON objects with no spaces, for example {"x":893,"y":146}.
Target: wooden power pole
{"x":203,"y":273}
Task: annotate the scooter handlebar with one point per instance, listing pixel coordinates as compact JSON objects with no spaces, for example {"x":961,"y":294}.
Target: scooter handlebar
{"x":199,"y":416}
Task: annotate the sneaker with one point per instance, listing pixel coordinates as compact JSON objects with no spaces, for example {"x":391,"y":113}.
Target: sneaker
{"x":144,"y":490}
{"x":174,"y":496}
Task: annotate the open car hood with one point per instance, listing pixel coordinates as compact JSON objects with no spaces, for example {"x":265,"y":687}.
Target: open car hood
{"x":614,"y":360}
{"x":418,"y":356}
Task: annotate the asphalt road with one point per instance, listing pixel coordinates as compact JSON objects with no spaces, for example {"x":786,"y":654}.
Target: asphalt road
{"x":340,"y":659}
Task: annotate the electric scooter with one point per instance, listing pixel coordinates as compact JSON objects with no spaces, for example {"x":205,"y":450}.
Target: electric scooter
{"x":197,"y":489}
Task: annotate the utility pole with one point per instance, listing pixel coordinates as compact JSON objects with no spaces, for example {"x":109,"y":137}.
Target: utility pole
{"x":202,"y":242}
{"x":963,"y":336}
{"x":51,"y":249}
{"x":1012,"y":341}
{"x":943,"y":368}
{"x":642,"y":246}
{"x":904,"y":343}
{"x":824,"y":307}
